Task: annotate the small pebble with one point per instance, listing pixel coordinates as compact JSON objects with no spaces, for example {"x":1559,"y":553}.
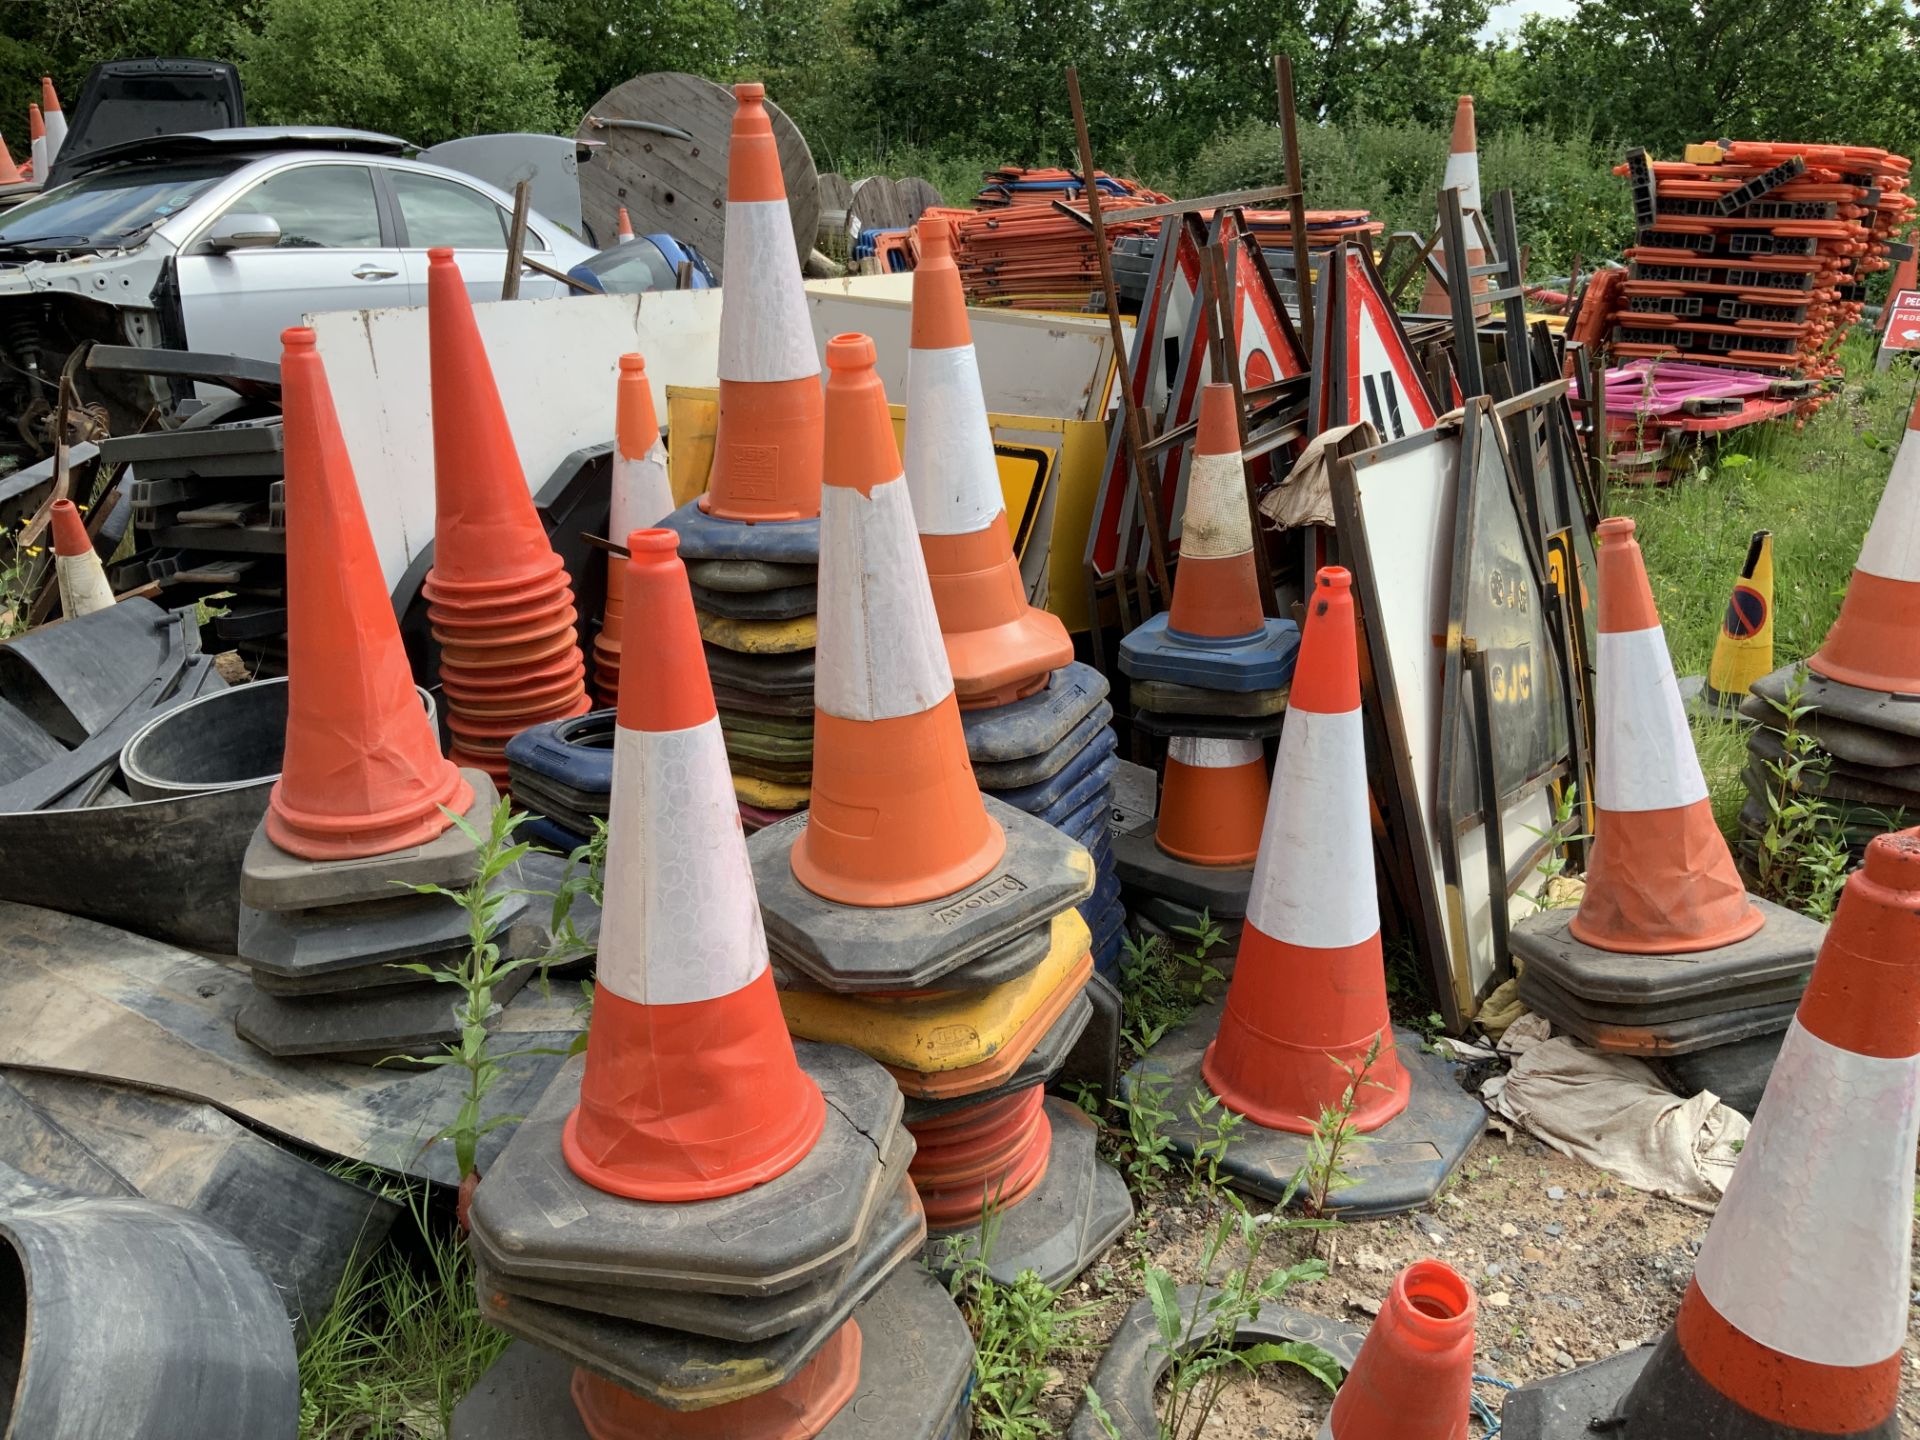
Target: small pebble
{"x":1556,"y":1230}
{"x":1495,"y":1268}
{"x":1509,"y":1230}
{"x":1563,"y":1360}
{"x":1556,"y":1193}
{"x":1499,"y":1299}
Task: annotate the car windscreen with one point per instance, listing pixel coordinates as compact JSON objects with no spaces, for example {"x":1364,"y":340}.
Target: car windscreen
{"x":632,"y":268}
{"x":110,"y":207}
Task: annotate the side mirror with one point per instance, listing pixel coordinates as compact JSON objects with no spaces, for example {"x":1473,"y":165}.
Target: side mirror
{"x":239,"y":230}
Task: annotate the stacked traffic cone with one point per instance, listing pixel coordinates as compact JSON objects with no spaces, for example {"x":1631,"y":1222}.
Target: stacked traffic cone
{"x":1210,"y":675}
{"x":1667,"y":953}
{"x":752,"y":541}
{"x":54,"y":118}
{"x":364,"y":801}
{"x":642,"y":496}
{"x":623,"y":232}
{"x":76,"y":565}
{"x":1743,"y":653}
{"x":1797,"y":1313}
{"x":1304,"y":1026}
{"x":1874,"y":644}
{"x":739,"y":1212}
{"x":911,"y":917}
{"x":1462,"y":174}
{"x":498,"y":598}
{"x":9,"y":172}
{"x":1414,"y":1377}
{"x":37,"y":142}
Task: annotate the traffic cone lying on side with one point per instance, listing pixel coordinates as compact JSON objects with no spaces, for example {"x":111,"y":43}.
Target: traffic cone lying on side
{"x":1462,"y":174}
{"x":1795,"y":1319}
{"x":623,"y":232}
{"x":999,"y":647}
{"x":498,"y":598}
{"x":1875,"y":642}
{"x":642,"y":497}
{"x":53,"y":117}
{"x":76,"y":565}
{"x":1711,"y":963}
{"x":738,"y":1209}
{"x":1414,"y":1377}
{"x":1304,"y":1021}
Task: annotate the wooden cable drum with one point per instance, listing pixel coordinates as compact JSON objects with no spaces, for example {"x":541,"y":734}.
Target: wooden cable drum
{"x":836,"y":194}
{"x":877,"y":205}
{"x":916,"y":195}
{"x":662,"y":153}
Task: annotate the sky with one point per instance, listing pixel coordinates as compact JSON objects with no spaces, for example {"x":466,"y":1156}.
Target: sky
{"x":1507,"y":14}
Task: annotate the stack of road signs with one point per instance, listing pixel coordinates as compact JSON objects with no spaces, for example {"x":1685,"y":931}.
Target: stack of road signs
{"x":752,"y":542}
{"x":361,"y":809}
{"x":913,"y":918}
{"x":702,"y":1228}
{"x":1025,"y":254}
{"x":1756,"y":255}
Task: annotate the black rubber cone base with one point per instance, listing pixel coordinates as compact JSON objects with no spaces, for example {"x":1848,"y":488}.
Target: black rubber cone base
{"x":1094,"y":1061}
{"x":1844,"y":739}
{"x":683,"y":1370}
{"x":272,"y":879}
{"x":1650,"y":1039}
{"x":777,"y":542}
{"x":749,"y":576}
{"x":1871,"y":709}
{"x":1060,"y":1227}
{"x":754,"y":709}
{"x":1783,"y":949}
{"x":788,"y":603}
{"x":1043,"y":1063}
{"x":1136,"y":1359}
{"x":999,"y":965}
{"x":1210,"y":727}
{"x":362,"y":1027}
{"x":748,"y":676}
{"x":850,"y":947}
{"x":916,"y":1362}
{"x":1567,"y":1407}
{"x":306,"y":944}
{"x":1004,"y":734}
{"x":997,"y":775}
{"x":1146,"y":869}
{"x":1166,"y":697}
{"x":1401,"y":1167}
{"x":1737,"y":1073}
{"x":533,"y":1218}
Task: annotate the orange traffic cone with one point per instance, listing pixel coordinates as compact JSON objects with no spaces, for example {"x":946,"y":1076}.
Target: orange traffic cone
{"x":800,"y":1408}
{"x":76,"y":565}
{"x":9,"y":172}
{"x":896,"y":814}
{"x":766,"y":446}
{"x":1462,"y":174}
{"x":1660,"y":880}
{"x":623,"y":232}
{"x":53,"y":117}
{"x":1213,"y":800}
{"x":999,"y":647}
{"x":37,"y":143}
{"x":363,"y":773}
{"x":1797,"y":1313}
{"x":991,"y":1154}
{"x":1875,"y":642}
{"x":691,"y":1088}
{"x":642,"y":497}
{"x":498,"y":598}
{"x":1413,"y":1379}
{"x":1216,"y":590}
{"x":1309,"y":991}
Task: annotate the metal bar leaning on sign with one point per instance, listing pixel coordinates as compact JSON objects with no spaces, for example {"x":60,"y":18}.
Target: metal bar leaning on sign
{"x":1466,"y":338}
{"x":516,"y":240}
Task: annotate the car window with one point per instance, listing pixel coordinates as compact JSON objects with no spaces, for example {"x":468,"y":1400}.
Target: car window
{"x":633,"y":268}
{"x":110,"y":205}
{"x":317,"y":206}
{"x":441,"y":212}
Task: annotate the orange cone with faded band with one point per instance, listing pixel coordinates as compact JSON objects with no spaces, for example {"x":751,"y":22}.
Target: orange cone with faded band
{"x":1462,"y":174}
{"x":1309,"y":990}
{"x":623,"y":232}
{"x":999,"y":647}
{"x":76,"y":564}
{"x":766,"y":446}
{"x":1875,"y":642}
{"x":1660,"y":880}
{"x":691,"y":1089}
{"x":9,"y":172}
{"x":1213,"y":800}
{"x":896,"y":815}
{"x":1413,"y":1379}
{"x":363,"y":773}
{"x":642,"y":497}
{"x":1216,"y":590}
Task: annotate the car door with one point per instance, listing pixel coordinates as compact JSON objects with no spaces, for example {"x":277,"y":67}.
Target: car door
{"x":333,"y":254}
{"x":437,"y":210}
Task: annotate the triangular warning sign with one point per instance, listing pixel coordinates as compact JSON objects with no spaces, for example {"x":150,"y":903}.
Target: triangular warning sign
{"x":1363,"y":364}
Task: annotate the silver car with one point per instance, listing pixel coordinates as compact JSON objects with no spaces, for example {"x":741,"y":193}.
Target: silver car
{"x":217,"y":241}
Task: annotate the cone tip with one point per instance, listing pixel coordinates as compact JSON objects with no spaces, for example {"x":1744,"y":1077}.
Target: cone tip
{"x":935,"y":234}
{"x":69,"y":531}
{"x":633,"y":363}
{"x":1893,"y":860}
{"x":297,"y":337}
{"x":1433,"y":1296}
{"x":851,"y":351}
{"x":1219,"y":428}
{"x":750,"y":92}
{"x":440,"y":255}
{"x":1334,"y":577}
{"x":1615,"y":527}
{"x":653,"y":546}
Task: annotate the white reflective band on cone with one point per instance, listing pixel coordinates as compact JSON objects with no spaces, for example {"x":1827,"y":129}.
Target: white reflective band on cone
{"x":1463,"y":174}
{"x":83,"y":585}
{"x":1892,"y":548}
{"x":951,"y":473}
{"x":880,"y":654}
{"x":765,"y":334}
{"x":1206,"y":753}
{"x":681,"y":920}
{"x":1313,"y":883}
{"x":1645,"y":757}
{"x":1216,"y":523}
{"x":642,"y":494}
{"x":1809,"y":1254}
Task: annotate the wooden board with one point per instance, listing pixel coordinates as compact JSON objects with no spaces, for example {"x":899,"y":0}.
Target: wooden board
{"x":679,"y":186}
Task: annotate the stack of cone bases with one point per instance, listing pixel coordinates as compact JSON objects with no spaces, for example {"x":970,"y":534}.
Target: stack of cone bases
{"x":364,"y":803}
{"x":1797,"y":1314}
{"x":752,"y":541}
{"x":910,"y":917}
{"x":77,"y":568}
{"x":499,"y":601}
{"x":1413,"y":1379}
{"x":740,"y":1219}
{"x":1190,"y":667}
{"x":1667,"y":954}
{"x":1304,"y":1022}
{"x":1462,"y":174}
{"x":642,"y":497}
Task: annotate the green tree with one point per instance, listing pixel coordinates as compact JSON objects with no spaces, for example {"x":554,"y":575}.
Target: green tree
{"x":599,"y":43}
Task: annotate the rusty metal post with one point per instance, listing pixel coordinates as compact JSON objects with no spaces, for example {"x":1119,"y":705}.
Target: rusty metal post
{"x":1297,"y":206}
{"x":516,"y":240}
